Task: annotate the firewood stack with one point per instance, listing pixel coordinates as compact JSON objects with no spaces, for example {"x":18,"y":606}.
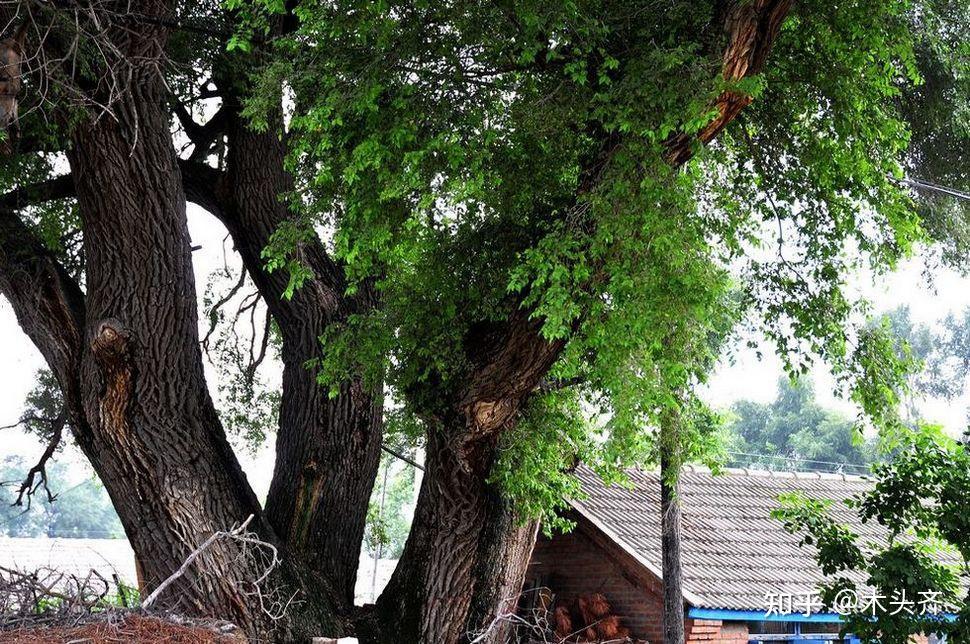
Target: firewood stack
{"x":589,"y":619}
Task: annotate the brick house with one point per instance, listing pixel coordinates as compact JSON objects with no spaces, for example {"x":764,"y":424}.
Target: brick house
{"x":740,"y":565}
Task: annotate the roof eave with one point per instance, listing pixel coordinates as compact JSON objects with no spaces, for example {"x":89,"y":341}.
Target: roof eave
{"x":689,"y":597}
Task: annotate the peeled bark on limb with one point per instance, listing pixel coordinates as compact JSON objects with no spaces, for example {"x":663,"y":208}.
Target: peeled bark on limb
{"x":509,"y":361}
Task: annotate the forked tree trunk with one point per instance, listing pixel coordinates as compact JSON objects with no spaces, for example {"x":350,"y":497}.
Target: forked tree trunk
{"x":327,"y":449}
{"x":157,"y":442}
{"x":156,"y":438}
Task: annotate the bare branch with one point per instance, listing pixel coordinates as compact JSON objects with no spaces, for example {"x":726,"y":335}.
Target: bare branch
{"x":39,"y":471}
{"x":148,"y":601}
{"x":214,"y":311}
{"x":28,"y":418}
{"x":402,"y":457}
{"x":272,"y":605}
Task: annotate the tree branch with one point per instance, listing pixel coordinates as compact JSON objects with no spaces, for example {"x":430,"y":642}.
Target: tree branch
{"x":203,"y":186}
{"x":50,"y":308}
{"x":752,"y":29}
{"x":202,"y":136}
{"x":61,"y":187}
{"x":511,"y":360}
{"x":39,"y":470}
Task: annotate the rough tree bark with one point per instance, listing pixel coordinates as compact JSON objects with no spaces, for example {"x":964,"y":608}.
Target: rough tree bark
{"x":157,"y":442}
{"x":467,"y":551}
{"x":441,"y":574}
{"x":128,"y":360}
{"x":327,"y":449}
{"x":131,"y":368}
{"x":466,"y":555}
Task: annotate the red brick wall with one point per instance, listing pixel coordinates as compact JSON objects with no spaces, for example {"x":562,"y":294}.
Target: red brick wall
{"x":584,"y":561}
{"x":706,"y":631}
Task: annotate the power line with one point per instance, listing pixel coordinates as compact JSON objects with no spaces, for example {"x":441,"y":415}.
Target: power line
{"x":926,"y":185}
{"x":798,"y":459}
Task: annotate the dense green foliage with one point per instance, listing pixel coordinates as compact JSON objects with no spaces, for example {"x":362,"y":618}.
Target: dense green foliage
{"x":475,"y":159}
{"x":795,"y":431}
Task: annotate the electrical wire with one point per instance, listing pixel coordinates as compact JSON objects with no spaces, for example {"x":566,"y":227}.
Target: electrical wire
{"x":920,"y":184}
{"x":798,"y":459}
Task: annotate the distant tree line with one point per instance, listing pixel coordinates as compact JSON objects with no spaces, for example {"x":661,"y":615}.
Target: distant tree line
{"x":794,"y":432}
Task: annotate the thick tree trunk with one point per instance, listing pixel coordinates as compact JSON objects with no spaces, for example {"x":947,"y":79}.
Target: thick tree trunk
{"x":466,"y":554}
{"x":670,"y":531}
{"x":427,"y":599}
{"x":504,"y":549}
{"x":327,"y":449}
{"x":157,"y":442}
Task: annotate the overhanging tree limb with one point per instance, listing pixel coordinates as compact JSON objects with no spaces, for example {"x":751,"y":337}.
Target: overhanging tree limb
{"x":512,"y":366}
{"x":49,"y":306}
{"x":60,"y":187}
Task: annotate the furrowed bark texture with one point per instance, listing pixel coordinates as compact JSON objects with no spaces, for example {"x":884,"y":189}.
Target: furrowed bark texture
{"x":467,"y":551}
{"x":442,"y":574}
{"x":504,"y":549}
{"x":430,"y":595}
{"x":157,"y":442}
{"x":130,"y":367}
{"x":327,"y":449}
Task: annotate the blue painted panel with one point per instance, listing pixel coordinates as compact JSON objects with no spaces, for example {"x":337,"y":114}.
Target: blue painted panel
{"x":759,"y":616}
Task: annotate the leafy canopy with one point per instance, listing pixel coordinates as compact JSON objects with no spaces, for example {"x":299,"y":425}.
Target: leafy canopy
{"x":474,"y":159}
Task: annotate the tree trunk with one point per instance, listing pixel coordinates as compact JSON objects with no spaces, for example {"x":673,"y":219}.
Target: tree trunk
{"x":670,"y":530}
{"x":504,"y":550}
{"x":157,"y":442}
{"x":466,"y":554}
{"x":327,"y":449}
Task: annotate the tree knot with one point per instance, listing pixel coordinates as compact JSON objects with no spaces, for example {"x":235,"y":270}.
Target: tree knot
{"x":110,"y":345}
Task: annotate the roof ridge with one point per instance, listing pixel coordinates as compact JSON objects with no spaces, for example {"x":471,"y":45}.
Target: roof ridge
{"x":693,"y":468}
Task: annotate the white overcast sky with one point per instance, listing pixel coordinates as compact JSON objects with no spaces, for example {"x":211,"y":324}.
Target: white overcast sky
{"x":745,"y":378}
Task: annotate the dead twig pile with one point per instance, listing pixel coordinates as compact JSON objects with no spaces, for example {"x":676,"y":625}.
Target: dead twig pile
{"x":117,"y":627}
{"x":29,"y":597}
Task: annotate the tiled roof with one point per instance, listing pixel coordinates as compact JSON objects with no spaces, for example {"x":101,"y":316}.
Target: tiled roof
{"x":733,"y":552}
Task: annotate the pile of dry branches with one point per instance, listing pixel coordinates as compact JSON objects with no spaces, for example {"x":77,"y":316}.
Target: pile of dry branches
{"x":46,"y":605}
{"x":48,"y":596}
{"x":118,"y":627}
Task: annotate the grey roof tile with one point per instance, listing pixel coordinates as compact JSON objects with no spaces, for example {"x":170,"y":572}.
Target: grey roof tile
{"x":734,"y":552}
